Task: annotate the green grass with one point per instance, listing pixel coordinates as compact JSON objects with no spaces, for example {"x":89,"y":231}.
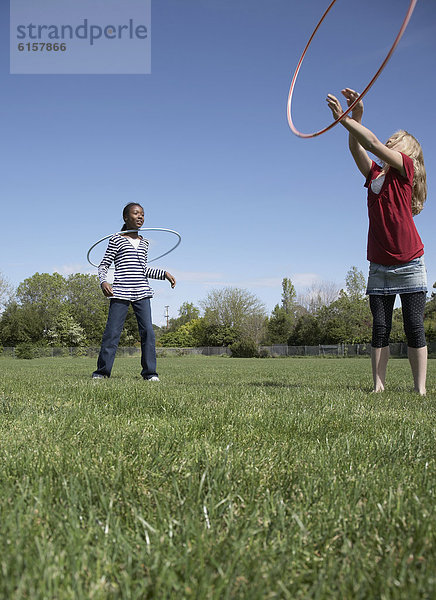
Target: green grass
{"x":231,"y":478}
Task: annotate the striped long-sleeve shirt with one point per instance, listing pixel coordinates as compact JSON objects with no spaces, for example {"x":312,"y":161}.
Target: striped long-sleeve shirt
{"x":131,"y":271}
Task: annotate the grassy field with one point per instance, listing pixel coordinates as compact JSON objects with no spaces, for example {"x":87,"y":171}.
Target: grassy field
{"x":231,"y":478}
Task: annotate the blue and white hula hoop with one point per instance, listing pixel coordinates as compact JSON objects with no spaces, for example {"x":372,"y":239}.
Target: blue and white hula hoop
{"x":106,"y":237}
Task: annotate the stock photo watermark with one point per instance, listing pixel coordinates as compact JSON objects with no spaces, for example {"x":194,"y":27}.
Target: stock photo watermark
{"x":80,"y":37}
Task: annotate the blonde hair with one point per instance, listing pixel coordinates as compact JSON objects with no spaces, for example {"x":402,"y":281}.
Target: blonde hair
{"x":406,"y":143}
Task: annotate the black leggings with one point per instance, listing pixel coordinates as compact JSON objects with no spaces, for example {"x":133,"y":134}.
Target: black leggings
{"x":412,"y":305}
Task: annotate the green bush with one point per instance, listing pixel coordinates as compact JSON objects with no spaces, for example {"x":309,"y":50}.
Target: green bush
{"x":79,"y":351}
{"x":245,"y":349}
{"x":26,"y":350}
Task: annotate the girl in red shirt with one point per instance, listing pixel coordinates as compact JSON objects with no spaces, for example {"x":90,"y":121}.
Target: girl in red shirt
{"x":396,"y":192}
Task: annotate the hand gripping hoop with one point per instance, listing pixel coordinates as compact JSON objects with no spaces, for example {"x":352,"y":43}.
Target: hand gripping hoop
{"x":350,"y":108}
{"x":142,"y":229}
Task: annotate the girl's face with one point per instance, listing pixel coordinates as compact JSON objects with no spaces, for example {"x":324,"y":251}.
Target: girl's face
{"x":395,"y":142}
{"x":391,"y":143}
{"x":135,"y":218}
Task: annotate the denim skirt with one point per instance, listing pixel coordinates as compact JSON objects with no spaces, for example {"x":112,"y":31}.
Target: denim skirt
{"x":397,"y":279}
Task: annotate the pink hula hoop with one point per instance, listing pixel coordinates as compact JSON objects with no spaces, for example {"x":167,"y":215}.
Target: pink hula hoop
{"x":350,"y":108}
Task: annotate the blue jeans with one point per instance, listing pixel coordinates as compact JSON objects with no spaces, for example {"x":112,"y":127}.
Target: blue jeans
{"x":111,"y":337}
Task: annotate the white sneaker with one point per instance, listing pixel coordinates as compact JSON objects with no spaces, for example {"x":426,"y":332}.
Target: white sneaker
{"x":154,"y":378}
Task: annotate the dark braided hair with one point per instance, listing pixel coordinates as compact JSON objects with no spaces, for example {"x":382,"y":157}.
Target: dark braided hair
{"x":126,"y":211}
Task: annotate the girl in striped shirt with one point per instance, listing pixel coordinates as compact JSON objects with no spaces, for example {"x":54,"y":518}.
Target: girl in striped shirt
{"x":129,"y":253}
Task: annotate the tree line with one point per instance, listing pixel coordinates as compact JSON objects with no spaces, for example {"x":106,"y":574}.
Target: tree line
{"x":49,"y":309}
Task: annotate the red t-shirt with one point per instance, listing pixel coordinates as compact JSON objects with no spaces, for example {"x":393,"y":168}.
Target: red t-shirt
{"x":392,"y":235}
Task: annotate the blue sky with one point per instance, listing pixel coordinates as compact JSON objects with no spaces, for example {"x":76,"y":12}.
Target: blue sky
{"x":204,"y":145}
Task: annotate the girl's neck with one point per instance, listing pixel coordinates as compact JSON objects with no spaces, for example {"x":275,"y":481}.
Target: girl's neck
{"x":131,"y":234}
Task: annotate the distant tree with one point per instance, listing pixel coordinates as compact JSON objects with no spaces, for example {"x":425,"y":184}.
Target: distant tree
{"x":47,"y":303}
{"x":41,"y":290}
{"x":347,"y":319}
{"x":66,"y":331}
{"x":42,"y":296}
{"x":319,"y":294}
{"x":187,"y":312}
{"x":184,"y":337}
{"x":355,"y":283}
{"x":207,"y":334}
{"x":307,"y":332}
{"x":282,"y":320}
{"x":235,"y":309}
{"x":245,"y":349}
{"x":6,"y":292}
{"x":34,"y":310}
{"x":87,"y":305}
{"x":430,"y":307}
{"x":279,"y":326}
{"x":430,"y":317}
{"x":289,"y":296}
{"x":16,"y":325}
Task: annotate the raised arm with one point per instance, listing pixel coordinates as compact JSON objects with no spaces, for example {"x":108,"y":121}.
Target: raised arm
{"x":364,"y":139}
{"x":358,"y":152}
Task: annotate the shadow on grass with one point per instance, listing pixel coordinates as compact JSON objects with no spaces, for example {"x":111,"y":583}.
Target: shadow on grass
{"x":301,"y":386}
{"x":276,"y":384}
